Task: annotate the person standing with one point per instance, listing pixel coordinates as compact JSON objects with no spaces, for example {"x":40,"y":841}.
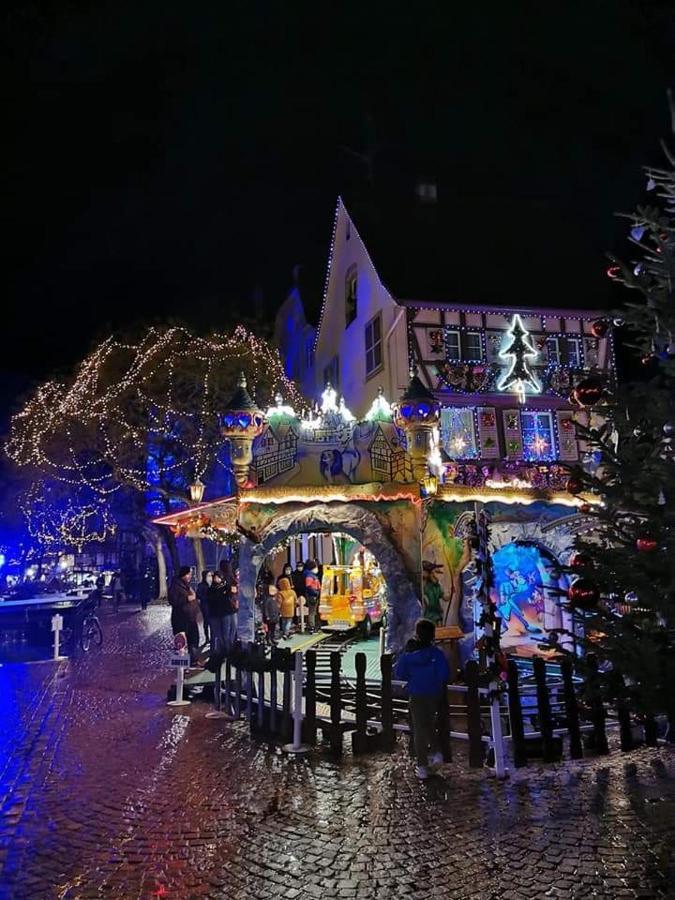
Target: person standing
{"x":312,"y":592}
{"x":426,"y":670}
{"x":202,"y":599}
{"x":298,"y":582}
{"x":117,"y":589}
{"x":231,"y":581}
{"x":286,"y":572}
{"x":270,"y":611}
{"x":184,"y":608}
{"x":287,"y":600}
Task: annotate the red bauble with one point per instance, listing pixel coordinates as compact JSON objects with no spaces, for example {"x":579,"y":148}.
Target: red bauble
{"x":583,"y":594}
{"x":599,"y":328}
{"x":585,"y":508}
{"x":589,"y":391}
{"x":580,"y":560}
{"x":574,"y":485}
{"x":646,"y":544}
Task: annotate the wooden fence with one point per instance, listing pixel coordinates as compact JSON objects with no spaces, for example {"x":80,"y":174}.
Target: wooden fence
{"x":533,"y":717}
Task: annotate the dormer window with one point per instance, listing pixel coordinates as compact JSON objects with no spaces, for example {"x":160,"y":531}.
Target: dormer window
{"x":351,"y":291}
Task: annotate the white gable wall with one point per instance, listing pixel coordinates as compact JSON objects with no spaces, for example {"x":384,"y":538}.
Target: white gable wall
{"x":335,"y":338}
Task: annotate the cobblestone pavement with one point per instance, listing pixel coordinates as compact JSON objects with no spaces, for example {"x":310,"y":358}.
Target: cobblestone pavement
{"x":107,"y":792}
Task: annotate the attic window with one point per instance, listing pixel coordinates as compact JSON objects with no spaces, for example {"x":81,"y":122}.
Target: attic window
{"x":351,"y":290}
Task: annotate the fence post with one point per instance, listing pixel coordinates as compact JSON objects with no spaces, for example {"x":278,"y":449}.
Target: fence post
{"x":310,"y":697}
{"x":238,"y":686}
{"x":359,"y":744}
{"x":544,"y":709}
{"x":274,"y":674}
{"x":228,"y":684}
{"x":651,"y":739}
{"x":387,"y":737}
{"x":473,"y":716}
{"x":217,"y":711}
{"x":335,"y":704}
{"x":286,"y":721}
{"x":444,"y":726}
{"x":260,"y":661}
{"x":497,"y":735}
{"x":249,"y":684}
{"x":572,"y":709}
{"x":597,"y":707}
{"x":297,"y":746}
{"x":516,"y":717}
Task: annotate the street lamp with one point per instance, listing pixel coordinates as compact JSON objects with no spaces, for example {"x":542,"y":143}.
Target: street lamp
{"x":196,"y":490}
{"x":429,"y":486}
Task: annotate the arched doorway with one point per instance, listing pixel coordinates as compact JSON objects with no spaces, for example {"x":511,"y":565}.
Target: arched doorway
{"x":348,"y":518}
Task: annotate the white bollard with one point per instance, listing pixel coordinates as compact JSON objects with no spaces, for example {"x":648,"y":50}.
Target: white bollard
{"x":297,"y":746}
{"x":497,"y":736}
{"x":302,"y":615}
{"x":57,"y":625}
{"x":382,"y":638}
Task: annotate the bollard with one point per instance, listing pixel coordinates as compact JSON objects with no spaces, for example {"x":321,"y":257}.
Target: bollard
{"x":302,"y":615}
{"x":382,"y":637}
{"x":516,"y":717}
{"x":297,"y":746}
{"x":572,"y":709}
{"x":228,"y":685}
{"x":310,"y":697}
{"x":57,"y":625}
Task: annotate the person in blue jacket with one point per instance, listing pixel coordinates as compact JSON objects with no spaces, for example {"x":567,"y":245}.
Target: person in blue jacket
{"x":426,"y":670}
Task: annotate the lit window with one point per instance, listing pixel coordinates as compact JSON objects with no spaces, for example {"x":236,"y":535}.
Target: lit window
{"x":473,"y":348}
{"x":538,"y":442}
{"x":331,"y":374}
{"x":458,"y":435}
{"x":351,"y":288}
{"x":452,"y":341}
{"x":553,"y":351}
{"x":574,"y":353}
{"x":373,"y":334}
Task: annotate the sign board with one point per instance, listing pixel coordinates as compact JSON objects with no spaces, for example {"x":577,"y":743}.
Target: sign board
{"x":180,"y":661}
{"x":448,"y":632}
{"x":57,"y":622}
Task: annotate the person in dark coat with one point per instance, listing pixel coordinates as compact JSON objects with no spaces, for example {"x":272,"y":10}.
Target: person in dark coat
{"x":222,"y":604}
{"x":202,"y":593}
{"x":184,"y":608}
{"x":312,"y":592}
{"x":271,"y":611}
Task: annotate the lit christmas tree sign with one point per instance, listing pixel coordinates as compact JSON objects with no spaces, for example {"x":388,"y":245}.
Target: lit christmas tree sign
{"x":519,"y":375}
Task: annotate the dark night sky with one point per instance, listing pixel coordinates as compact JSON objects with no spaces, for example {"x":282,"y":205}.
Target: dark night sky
{"x":162,"y":159}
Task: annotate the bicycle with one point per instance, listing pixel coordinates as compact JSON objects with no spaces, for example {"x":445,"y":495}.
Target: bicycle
{"x":91,"y":632}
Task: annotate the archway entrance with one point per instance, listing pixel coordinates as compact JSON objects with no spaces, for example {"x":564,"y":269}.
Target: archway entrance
{"x":329,"y":518}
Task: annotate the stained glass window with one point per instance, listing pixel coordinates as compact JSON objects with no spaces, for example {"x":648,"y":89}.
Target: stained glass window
{"x":458,"y":434}
{"x":538,"y":440}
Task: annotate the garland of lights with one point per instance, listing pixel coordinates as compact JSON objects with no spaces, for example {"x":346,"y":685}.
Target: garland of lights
{"x":57,"y":524}
{"x":165,"y":391}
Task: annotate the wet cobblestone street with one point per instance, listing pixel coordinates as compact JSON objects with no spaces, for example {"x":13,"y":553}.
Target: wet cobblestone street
{"x":107,"y":792}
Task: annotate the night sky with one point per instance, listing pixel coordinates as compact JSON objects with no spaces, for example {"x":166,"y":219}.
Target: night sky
{"x":170,"y":160}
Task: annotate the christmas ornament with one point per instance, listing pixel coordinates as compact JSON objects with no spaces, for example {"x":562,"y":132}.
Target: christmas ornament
{"x":618,"y":322}
{"x":599,"y":328}
{"x":669,"y":429}
{"x":651,"y":184}
{"x":583,"y":594}
{"x":646,"y":544}
{"x":585,"y":508}
{"x":588,"y":392}
{"x":639,"y":270}
{"x":662,"y":498}
{"x":574,"y":485}
{"x":613,"y":272}
{"x":637,"y":231}
{"x":631,"y":597}
{"x":580,"y":560}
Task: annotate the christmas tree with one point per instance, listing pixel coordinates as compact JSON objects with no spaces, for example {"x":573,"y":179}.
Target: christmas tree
{"x":519,"y":373}
{"x":623,"y":574}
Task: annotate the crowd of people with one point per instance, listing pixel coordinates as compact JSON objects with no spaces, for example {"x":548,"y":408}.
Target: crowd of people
{"x":283,"y":603}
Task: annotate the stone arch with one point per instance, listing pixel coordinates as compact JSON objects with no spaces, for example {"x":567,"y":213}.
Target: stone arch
{"x":354,"y":520}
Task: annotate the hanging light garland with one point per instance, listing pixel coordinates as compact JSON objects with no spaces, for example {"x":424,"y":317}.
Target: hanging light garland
{"x":159,"y":397}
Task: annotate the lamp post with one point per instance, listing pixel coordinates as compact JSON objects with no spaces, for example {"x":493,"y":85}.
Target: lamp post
{"x":196,"y":491}
{"x":416,"y":413}
{"x":428,"y":491}
{"x":241,"y":423}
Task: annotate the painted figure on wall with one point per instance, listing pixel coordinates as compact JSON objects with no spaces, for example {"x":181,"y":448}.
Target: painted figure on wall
{"x":433,"y":592}
{"x":338,"y":466}
{"x":446,"y":546}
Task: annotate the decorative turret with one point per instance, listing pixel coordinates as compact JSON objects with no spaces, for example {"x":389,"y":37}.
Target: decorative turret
{"x":417,"y":414}
{"x":241,"y":423}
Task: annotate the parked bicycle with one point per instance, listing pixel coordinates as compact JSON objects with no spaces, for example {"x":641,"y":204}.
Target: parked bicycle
{"x":91,"y":633}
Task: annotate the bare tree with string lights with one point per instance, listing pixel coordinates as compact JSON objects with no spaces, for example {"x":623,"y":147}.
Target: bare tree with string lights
{"x":141,"y":416}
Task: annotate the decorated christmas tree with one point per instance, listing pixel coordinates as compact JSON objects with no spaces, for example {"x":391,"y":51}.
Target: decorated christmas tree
{"x":623,"y":573}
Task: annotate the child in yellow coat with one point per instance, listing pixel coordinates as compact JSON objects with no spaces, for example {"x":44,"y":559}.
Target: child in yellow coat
{"x":287,"y":600}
